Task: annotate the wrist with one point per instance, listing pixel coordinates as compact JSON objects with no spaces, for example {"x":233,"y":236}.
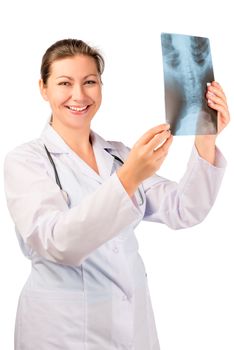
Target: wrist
{"x":206,"y":138}
{"x":127,"y":181}
{"x":205,"y":145}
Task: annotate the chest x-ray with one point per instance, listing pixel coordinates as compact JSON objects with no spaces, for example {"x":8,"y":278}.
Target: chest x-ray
{"x":187,"y":68}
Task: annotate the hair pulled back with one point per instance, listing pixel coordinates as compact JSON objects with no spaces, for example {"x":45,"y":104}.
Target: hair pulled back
{"x":69,"y":48}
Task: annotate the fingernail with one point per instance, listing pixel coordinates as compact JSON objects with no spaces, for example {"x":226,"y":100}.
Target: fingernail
{"x":208,"y":84}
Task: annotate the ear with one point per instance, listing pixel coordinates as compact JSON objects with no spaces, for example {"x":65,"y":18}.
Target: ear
{"x":43,"y":89}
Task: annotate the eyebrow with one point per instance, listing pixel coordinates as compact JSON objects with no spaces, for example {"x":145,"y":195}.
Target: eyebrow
{"x":70,"y":78}
{"x":64,"y":76}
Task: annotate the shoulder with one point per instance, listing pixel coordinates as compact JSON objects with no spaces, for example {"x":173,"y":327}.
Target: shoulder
{"x":24,"y":164}
{"x":28,"y":151}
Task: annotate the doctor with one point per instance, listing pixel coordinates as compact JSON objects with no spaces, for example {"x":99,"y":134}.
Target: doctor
{"x":75,"y":200}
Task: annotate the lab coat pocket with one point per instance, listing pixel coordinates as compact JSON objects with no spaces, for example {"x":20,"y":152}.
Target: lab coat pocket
{"x":50,"y":320}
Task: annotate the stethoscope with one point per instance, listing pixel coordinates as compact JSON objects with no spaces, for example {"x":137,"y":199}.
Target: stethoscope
{"x":140,"y":201}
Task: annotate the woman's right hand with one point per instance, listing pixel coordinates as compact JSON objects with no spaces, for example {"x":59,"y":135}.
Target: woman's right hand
{"x":145,"y":158}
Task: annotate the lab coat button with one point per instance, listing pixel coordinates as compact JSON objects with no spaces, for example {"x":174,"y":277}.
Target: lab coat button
{"x":115,"y":250}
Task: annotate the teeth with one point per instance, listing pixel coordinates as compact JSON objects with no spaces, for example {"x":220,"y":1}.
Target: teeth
{"x":77,"y":109}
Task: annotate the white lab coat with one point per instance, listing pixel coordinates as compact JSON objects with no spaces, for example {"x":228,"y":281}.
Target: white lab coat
{"x":88,"y":287}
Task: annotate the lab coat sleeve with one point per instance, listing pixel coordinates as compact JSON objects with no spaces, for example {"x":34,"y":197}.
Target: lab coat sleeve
{"x":184,"y":204}
{"x":45,"y":222}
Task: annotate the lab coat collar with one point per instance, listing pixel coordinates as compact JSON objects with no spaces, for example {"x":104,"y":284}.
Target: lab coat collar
{"x":56,"y":144}
{"x":103,"y":151}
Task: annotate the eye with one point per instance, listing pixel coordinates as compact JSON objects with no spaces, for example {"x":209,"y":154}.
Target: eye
{"x":64,"y":83}
{"x":90,"y":82}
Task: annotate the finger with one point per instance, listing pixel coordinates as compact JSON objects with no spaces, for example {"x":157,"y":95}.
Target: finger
{"x":158,"y":140}
{"x":211,"y":98}
{"x":219,"y":108}
{"x":151,"y":133}
{"x":216,"y":84}
{"x":216,"y":89}
{"x":161,"y":151}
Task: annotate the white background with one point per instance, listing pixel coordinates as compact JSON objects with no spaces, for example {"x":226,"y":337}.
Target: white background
{"x":191,"y":272}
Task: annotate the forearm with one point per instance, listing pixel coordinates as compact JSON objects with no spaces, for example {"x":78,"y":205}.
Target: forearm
{"x":187,"y":203}
{"x":205,"y":145}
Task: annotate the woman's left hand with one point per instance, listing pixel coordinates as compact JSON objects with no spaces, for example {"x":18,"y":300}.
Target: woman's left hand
{"x":217,"y":100}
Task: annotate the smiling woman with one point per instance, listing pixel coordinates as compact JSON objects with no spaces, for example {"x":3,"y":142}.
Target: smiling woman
{"x":76,"y":199}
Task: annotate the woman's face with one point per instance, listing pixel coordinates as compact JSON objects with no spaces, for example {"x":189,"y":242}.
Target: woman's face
{"x":73,"y":90}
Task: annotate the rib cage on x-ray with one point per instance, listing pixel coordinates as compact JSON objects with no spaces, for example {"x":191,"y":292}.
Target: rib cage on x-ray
{"x":187,"y":69}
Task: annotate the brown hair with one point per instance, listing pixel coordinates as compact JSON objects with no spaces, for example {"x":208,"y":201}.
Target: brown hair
{"x":69,"y":48}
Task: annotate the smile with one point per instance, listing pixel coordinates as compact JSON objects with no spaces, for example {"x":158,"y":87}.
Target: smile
{"x":77,"y":109}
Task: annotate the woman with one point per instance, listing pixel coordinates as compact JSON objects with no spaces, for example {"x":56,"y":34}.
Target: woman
{"x":75,"y":200}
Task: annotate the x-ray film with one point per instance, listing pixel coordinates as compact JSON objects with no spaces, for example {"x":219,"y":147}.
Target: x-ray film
{"x":187,"y":66}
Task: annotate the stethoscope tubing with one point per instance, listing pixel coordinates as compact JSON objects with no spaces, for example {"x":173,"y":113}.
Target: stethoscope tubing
{"x":57,"y":176}
{"x":54,"y":167}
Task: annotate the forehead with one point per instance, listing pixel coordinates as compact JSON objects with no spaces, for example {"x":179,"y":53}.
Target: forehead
{"x":79,"y":65}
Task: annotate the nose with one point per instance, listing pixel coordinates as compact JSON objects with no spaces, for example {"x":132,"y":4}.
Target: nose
{"x":78,"y":92}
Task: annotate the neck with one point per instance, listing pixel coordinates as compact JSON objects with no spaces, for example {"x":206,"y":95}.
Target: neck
{"x":77,"y":139}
